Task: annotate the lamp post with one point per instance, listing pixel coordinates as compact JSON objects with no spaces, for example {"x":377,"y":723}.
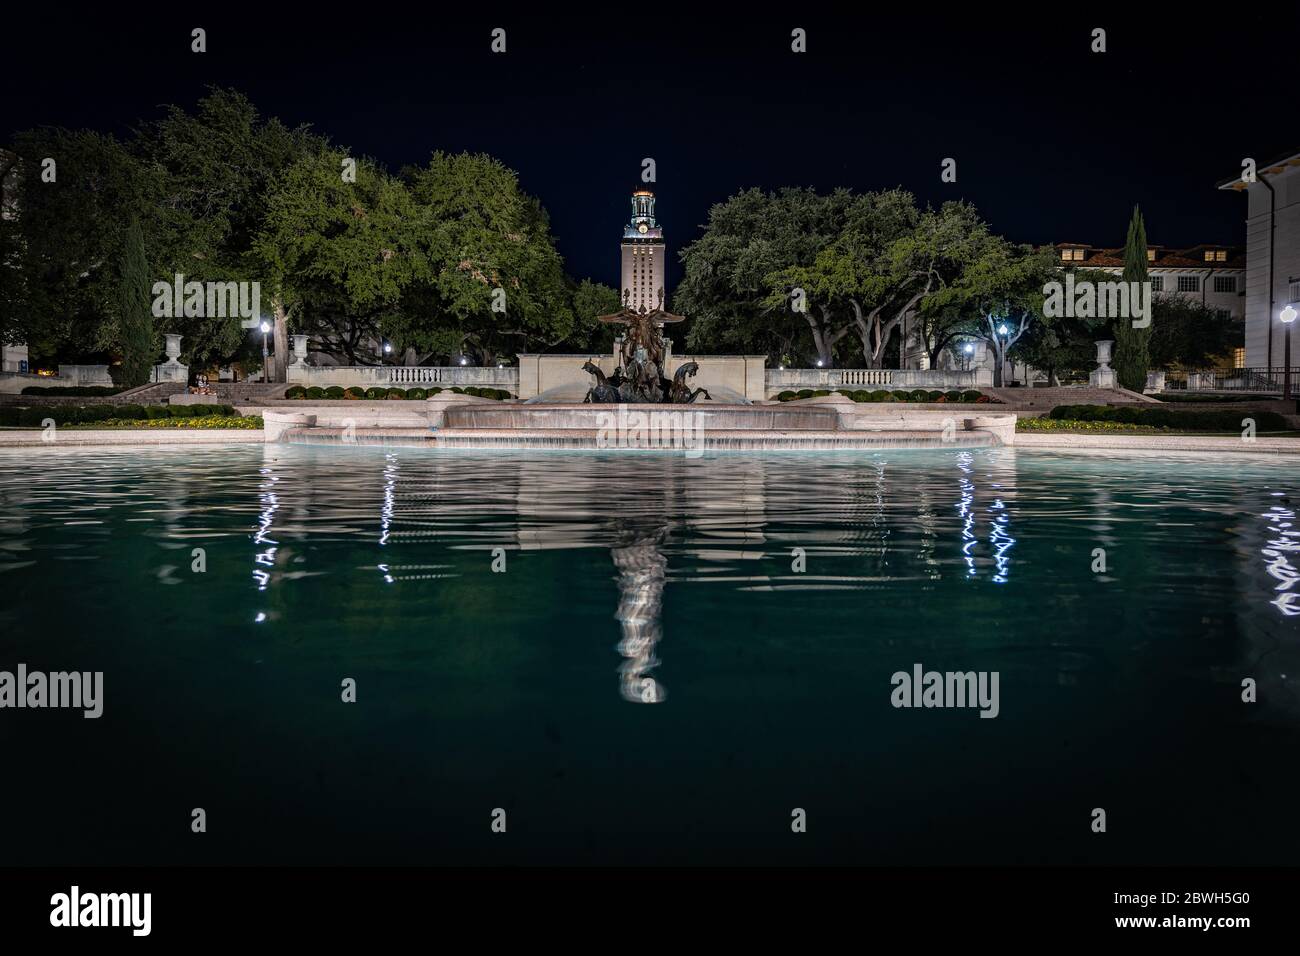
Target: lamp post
{"x":1000,"y":339}
{"x":969,"y":350}
{"x":266,"y":377}
{"x":1288,"y":317}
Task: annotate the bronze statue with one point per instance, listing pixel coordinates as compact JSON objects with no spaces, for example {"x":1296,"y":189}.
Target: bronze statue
{"x":640,"y":376}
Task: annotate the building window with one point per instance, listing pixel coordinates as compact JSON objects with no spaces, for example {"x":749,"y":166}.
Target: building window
{"x":1238,"y":358}
{"x":1151,"y":255}
{"x":1225,"y":283}
{"x":1157,"y":283}
{"x":1071,"y":255}
{"x":1189,"y":283}
{"x":1216,"y":255}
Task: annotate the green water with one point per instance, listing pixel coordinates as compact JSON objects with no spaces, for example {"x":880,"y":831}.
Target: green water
{"x":734,"y":689}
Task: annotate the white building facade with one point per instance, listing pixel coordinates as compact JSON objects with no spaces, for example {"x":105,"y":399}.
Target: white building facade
{"x":1272,"y":254}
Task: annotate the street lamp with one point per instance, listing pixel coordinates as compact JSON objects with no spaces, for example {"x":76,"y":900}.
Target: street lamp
{"x":1000,"y":341}
{"x":1288,"y":317}
{"x":969,"y":350}
{"x":265,"y":371}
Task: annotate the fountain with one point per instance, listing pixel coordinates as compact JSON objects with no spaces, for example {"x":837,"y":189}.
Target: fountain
{"x":639,"y":379}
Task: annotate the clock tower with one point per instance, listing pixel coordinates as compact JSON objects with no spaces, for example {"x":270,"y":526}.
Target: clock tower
{"x":643,"y":256}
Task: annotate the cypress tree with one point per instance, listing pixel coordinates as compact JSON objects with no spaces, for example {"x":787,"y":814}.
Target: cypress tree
{"x":1131,"y":353}
{"x":135,"y":314}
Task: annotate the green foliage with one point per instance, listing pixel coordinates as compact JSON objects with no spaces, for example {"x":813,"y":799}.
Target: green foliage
{"x":295,"y":391}
{"x":1185,"y":332}
{"x":316,"y":392}
{"x":395,"y":393}
{"x":376,"y":392}
{"x":971,"y":395}
{"x":416,"y":394}
{"x":354,"y":393}
{"x":71,"y":391}
{"x":1178,"y":419}
{"x":156,"y":411}
{"x":1132,"y":358}
{"x":334,"y":392}
{"x":786,"y":396}
{"x":139,"y":340}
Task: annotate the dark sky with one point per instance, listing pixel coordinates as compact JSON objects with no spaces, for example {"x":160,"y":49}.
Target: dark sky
{"x":1053,"y":142}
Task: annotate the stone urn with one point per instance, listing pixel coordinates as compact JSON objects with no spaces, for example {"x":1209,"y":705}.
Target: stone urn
{"x":173,"y":348}
{"x":300,"y":350}
{"x":1103,"y":376}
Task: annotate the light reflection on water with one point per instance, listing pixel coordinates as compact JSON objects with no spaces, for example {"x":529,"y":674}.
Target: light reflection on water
{"x":621,"y":576}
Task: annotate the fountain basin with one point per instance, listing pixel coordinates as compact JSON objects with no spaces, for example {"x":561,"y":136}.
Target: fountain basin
{"x":709,"y":417}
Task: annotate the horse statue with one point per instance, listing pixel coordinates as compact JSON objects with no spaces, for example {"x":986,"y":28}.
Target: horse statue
{"x":603,"y":391}
{"x":679,"y":393}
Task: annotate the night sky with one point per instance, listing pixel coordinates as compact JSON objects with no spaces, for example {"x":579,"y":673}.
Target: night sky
{"x":1053,"y":142}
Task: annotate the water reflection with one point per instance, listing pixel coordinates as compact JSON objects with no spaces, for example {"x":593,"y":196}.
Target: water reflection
{"x":642,"y":571}
{"x":1284,"y":540}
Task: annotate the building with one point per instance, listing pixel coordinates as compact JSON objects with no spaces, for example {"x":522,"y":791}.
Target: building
{"x":1214,"y":276}
{"x":1272,"y":253}
{"x":643,"y":257}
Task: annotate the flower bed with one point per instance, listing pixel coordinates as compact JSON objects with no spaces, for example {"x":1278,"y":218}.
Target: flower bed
{"x":207,"y":422}
{"x":383,"y":393}
{"x":917,"y":395}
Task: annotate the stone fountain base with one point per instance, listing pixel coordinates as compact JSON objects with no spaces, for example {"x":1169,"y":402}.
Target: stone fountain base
{"x":793,"y":426}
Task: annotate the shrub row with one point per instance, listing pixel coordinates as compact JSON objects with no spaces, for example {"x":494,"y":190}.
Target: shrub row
{"x":380,"y":393}
{"x":886,"y":395}
{"x":206,"y":422}
{"x":82,"y":414}
{"x":1192,"y":421}
{"x":72,"y":391}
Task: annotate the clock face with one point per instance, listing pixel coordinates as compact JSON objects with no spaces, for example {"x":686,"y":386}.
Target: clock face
{"x":643,"y":228}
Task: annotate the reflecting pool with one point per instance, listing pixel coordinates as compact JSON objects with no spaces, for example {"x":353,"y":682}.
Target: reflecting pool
{"x":647,"y":658}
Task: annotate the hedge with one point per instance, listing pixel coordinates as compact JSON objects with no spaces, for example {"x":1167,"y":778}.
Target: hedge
{"x":1194,"y":421}
{"x":72,"y":391}
{"x":295,"y":391}
{"x":334,"y":392}
{"x":885,"y":395}
{"x":32,"y":417}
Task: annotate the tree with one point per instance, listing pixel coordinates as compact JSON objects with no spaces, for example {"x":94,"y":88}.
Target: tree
{"x":67,"y":239}
{"x":494,"y":282}
{"x":1131,"y":345}
{"x":350,"y":248}
{"x":1002,"y":294}
{"x":134,"y":311}
{"x":1185,"y":332}
{"x":592,"y":299}
{"x":219,"y":167}
{"x":727,"y":291}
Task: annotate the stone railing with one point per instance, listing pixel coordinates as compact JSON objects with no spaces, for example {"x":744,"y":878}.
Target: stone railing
{"x":793,"y":379}
{"x":403,"y":376}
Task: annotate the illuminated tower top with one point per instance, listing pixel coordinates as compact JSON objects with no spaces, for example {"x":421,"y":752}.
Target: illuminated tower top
{"x":643,"y":225}
{"x":643,"y":256}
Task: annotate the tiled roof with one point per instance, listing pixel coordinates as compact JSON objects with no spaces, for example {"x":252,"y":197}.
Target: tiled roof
{"x":1192,"y":257}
